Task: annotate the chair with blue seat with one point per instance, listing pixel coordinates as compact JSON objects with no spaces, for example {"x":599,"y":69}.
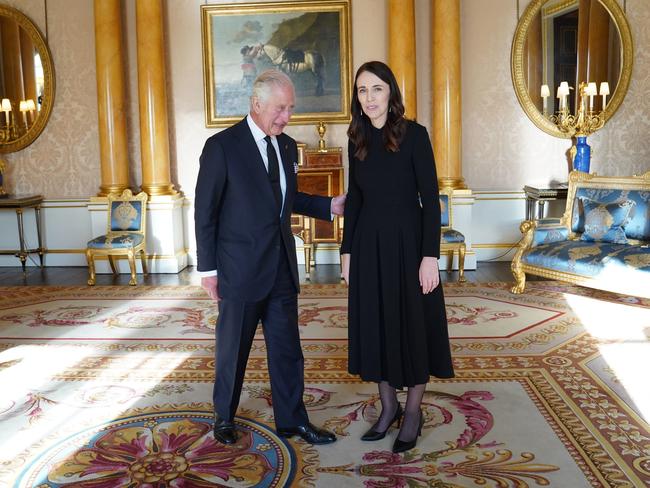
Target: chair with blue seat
{"x":126,"y":234}
{"x":451,"y":240}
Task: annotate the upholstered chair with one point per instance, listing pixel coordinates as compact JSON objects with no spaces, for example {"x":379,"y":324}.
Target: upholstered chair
{"x":451,"y":240}
{"x":125,"y":236}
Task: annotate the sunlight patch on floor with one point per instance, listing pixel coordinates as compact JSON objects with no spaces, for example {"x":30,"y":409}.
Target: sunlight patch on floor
{"x":29,"y":368}
{"x":610,"y":321}
{"x":624,"y":335}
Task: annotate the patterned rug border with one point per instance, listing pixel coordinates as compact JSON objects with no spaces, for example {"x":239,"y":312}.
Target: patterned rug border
{"x":18,"y":294}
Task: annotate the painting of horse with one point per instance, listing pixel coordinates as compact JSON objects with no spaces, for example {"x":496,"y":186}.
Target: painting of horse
{"x":308,"y":40}
{"x":293,"y":61}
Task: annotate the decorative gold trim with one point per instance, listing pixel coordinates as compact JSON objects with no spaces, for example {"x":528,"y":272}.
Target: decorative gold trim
{"x":48,"y":77}
{"x":497,"y":199}
{"x":155,"y":190}
{"x":258,"y":8}
{"x":495,"y":245}
{"x":83,"y":206}
{"x":553,"y":9}
{"x":448,"y":182}
{"x":326,"y":246}
{"x":517,"y":65}
{"x":104,"y":190}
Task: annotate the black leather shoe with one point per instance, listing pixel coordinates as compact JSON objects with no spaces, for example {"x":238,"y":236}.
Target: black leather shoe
{"x":375,"y":435}
{"x":401,"y":446}
{"x":309,"y":433}
{"x":224,"y":431}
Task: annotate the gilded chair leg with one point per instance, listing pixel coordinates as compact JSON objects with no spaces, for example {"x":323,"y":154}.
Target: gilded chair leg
{"x":450,"y":261}
{"x":111,"y":260}
{"x":91,"y":267}
{"x":307,"y":250}
{"x":143,"y":257}
{"x":520,"y":277}
{"x":131,"y":257}
{"x":461,"y":264}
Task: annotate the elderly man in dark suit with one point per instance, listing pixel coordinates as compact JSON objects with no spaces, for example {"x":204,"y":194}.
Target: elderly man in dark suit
{"x":245,"y":194}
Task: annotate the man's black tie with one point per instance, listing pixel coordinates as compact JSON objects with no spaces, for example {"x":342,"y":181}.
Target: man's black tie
{"x":274,"y":171}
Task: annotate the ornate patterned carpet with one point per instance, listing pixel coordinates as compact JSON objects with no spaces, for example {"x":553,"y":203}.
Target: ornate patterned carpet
{"x":111,"y":387}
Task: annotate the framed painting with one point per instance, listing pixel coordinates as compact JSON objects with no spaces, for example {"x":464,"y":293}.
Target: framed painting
{"x":308,"y":40}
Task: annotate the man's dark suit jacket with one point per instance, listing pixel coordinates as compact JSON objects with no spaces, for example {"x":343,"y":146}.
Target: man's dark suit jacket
{"x":236,"y":217}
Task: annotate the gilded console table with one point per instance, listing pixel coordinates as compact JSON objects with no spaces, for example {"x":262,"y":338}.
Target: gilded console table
{"x":19,"y":203}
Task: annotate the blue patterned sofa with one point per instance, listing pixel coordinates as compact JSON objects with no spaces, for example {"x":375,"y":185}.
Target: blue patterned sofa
{"x":602,"y":240}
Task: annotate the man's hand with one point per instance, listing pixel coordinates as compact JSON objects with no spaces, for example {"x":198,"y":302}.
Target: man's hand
{"x":338,"y":204}
{"x":345,"y":268}
{"x":429,"y":274}
{"x":211,"y":285}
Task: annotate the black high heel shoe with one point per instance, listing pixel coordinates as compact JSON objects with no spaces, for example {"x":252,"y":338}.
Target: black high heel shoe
{"x":401,"y":446}
{"x":375,"y":435}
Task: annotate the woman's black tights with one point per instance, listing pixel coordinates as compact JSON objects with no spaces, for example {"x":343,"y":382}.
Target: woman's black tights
{"x":412,"y":413}
{"x":388,"y":398}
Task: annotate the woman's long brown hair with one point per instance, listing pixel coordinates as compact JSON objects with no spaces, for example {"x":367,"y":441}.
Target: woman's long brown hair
{"x":360,"y":128}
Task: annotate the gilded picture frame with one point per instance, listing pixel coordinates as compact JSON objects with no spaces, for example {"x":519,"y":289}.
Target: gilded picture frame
{"x":308,"y":40}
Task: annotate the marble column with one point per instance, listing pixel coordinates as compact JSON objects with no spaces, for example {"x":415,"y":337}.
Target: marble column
{"x":111,"y":100}
{"x":401,"y":51}
{"x":152,"y":93}
{"x":446,"y":116}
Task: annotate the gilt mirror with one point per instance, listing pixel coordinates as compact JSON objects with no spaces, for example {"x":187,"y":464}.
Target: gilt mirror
{"x":26,"y":81}
{"x":572,"y":41}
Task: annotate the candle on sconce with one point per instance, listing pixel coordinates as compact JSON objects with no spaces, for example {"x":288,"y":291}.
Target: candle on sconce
{"x":545,"y":93}
{"x":563,"y":94}
{"x":591,"y":91}
{"x":6,"y":108}
{"x":604,"y":91}
{"x":24,"y":109}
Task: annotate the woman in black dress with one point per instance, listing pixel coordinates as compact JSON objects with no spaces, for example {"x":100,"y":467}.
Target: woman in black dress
{"x":397,"y":324}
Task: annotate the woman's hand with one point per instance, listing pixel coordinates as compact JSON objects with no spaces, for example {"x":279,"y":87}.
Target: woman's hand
{"x":345,"y":268}
{"x":429,"y":274}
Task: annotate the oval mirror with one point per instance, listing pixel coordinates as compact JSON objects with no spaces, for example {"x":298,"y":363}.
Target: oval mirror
{"x":26,"y":81}
{"x":572,"y":41}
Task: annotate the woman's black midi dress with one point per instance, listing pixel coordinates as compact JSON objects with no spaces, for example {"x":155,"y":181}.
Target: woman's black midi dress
{"x":392,"y":218}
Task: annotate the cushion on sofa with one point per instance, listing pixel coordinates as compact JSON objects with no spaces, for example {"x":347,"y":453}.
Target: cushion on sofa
{"x":639,"y":225}
{"x":604,"y":222}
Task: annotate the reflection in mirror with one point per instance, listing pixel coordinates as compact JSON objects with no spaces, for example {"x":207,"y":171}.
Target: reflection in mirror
{"x":26,"y":81}
{"x":571,"y":41}
{"x":21,"y":80}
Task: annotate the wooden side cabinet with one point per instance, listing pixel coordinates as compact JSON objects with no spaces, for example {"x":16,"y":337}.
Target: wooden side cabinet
{"x":319,"y":173}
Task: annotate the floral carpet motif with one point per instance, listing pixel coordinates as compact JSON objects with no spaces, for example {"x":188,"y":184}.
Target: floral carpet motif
{"x":166,"y":447}
{"x":111,"y":387}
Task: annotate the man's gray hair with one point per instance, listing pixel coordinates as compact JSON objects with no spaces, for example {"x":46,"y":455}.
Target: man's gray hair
{"x":268,"y":79}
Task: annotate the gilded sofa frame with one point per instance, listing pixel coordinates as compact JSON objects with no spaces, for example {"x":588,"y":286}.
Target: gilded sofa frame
{"x":577,"y":180}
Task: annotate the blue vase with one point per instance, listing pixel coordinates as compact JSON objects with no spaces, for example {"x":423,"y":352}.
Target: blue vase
{"x":583,"y":155}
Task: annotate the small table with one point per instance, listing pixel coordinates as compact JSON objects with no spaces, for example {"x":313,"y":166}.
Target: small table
{"x":539,"y":196}
{"x":18,"y":203}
